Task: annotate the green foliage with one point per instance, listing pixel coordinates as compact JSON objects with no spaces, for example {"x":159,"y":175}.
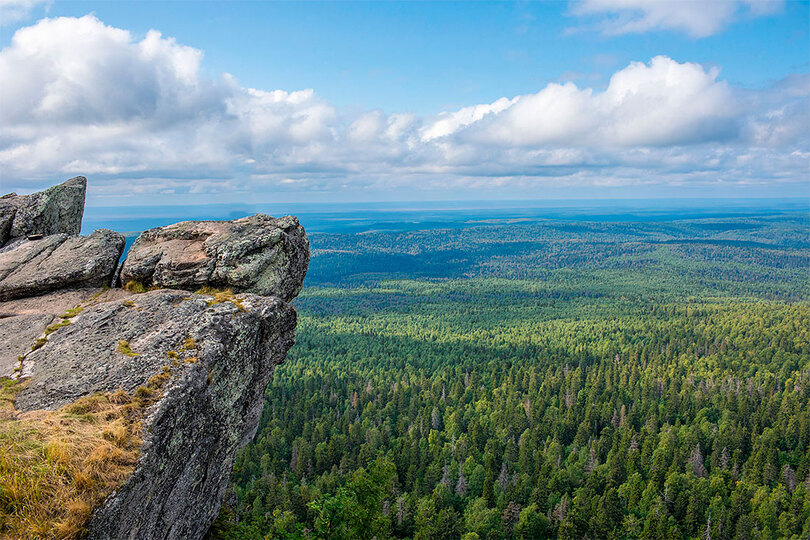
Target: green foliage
{"x":661,"y":400}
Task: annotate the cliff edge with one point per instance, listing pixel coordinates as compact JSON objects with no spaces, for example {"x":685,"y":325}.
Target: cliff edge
{"x":136,"y":399}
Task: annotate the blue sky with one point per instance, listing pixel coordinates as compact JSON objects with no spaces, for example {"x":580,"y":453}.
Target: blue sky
{"x":414,"y":100}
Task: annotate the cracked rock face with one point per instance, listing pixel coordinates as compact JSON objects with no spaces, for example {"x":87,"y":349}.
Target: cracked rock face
{"x":258,"y":254}
{"x":58,"y":261}
{"x":209,"y":409}
{"x":7,"y":211}
{"x":57,"y":210}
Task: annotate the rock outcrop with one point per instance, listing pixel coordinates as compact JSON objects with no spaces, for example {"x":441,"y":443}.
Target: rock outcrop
{"x":258,"y":254}
{"x":56,"y":210}
{"x":58,"y":261}
{"x":213,"y":353}
{"x":221,"y":354}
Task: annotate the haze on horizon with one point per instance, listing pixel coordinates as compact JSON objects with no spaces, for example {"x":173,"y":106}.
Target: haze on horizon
{"x":201,"y":102}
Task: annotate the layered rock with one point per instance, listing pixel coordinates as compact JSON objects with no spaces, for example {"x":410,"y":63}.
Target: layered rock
{"x":258,"y":254}
{"x":58,"y":261}
{"x":57,"y":210}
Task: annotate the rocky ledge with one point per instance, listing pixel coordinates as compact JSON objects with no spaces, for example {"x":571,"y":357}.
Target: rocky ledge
{"x":258,"y":254}
{"x":68,"y":337}
{"x":58,"y":261}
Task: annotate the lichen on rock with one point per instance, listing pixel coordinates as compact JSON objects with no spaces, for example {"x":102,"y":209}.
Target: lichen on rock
{"x":57,"y":210}
{"x":258,"y":254}
{"x":58,"y":261}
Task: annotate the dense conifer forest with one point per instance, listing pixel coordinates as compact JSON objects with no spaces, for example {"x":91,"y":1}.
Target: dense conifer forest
{"x":541,"y":379}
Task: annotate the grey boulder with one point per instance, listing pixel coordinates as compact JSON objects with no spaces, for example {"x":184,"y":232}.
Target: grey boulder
{"x":59,"y":261}
{"x":209,"y":408}
{"x":56,"y":210}
{"x":258,"y":254}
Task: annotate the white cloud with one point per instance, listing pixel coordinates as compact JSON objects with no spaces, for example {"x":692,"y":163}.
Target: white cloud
{"x":450,"y":122}
{"x":12,"y":11}
{"x":697,"y":18}
{"x":662,"y":103}
{"x":136,"y":113}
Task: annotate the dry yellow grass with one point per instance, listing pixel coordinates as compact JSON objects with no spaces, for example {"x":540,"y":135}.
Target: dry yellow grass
{"x":57,"y":466}
{"x":221,"y":295}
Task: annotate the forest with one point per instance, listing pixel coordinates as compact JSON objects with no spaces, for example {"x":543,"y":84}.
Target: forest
{"x":541,"y":379}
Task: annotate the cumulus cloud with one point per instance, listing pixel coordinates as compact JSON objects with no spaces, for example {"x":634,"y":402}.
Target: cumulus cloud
{"x":136,"y":113}
{"x":697,"y":18}
{"x":663,"y":103}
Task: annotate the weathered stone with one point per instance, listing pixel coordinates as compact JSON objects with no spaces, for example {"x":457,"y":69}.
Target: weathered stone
{"x":258,"y":254}
{"x":32,"y":267}
{"x":209,"y":409}
{"x":58,"y":209}
{"x":7,"y":211}
{"x":19,"y":333}
{"x":58,"y":302}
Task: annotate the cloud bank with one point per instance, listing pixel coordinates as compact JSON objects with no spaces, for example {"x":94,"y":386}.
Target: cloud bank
{"x":697,"y":18}
{"x":81,"y":97}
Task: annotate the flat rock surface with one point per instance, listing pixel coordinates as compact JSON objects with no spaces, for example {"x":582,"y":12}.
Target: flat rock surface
{"x":209,"y":409}
{"x":32,"y":267}
{"x":58,"y":302}
{"x":24,"y":320}
{"x":259,"y":254}
{"x":58,"y":209}
{"x":19,"y":333}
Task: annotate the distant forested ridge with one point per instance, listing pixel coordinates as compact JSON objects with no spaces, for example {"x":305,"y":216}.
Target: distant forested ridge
{"x":542,"y":380}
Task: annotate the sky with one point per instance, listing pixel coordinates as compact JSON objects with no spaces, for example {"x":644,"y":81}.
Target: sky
{"x":201,"y":102}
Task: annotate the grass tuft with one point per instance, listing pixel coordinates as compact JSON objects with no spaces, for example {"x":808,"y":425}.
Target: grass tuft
{"x":222,"y":296}
{"x":134,"y":287}
{"x":123,"y":348}
{"x":54,"y":327}
{"x":72,"y":312}
{"x":57,"y":466}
